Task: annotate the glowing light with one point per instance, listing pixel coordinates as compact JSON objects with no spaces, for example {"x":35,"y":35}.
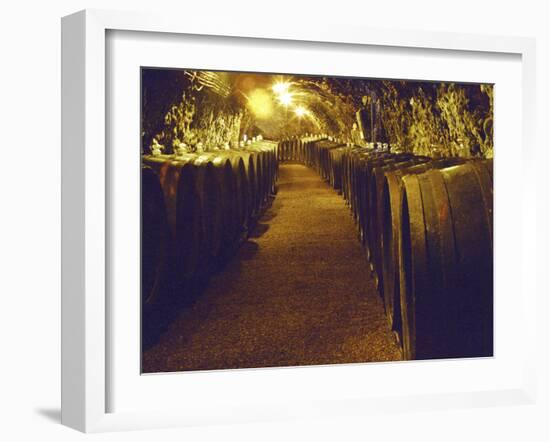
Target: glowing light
{"x":300,"y":111}
{"x":281,"y":87}
{"x":285,"y":98}
{"x":260,"y":103}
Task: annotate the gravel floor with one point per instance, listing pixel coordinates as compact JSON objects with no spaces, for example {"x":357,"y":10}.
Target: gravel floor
{"x":297,"y":293}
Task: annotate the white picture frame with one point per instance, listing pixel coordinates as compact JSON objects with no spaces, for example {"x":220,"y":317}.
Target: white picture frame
{"x":85,"y":312}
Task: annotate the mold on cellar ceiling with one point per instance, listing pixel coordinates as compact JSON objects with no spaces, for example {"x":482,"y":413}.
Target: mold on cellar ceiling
{"x":219,"y":109}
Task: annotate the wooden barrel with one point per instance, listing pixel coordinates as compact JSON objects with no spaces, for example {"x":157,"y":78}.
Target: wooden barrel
{"x":241,"y":192}
{"x":356,"y":165}
{"x":362,"y":212}
{"x":310,"y":150}
{"x":261,"y":162}
{"x":267,"y":171}
{"x":377,"y":179}
{"x":154,"y":236}
{"x":288,"y":147}
{"x":267,"y":149}
{"x":390,"y":212}
{"x":336,"y":168}
{"x":183,"y":213}
{"x":323,"y":161}
{"x":446,"y":261}
{"x":210,"y":195}
{"x":306,"y":148}
{"x":206,"y":201}
{"x":377,"y":160}
{"x":290,"y":153}
{"x":252,"y":186}
{"x":283,"y":150}
{"x":360,"y":158}
{"x":345,"y":174}
{"x":273,"y":172}
{"x":226,"y":181}
{"x":188,"y":234}
{"x":256,"y":183}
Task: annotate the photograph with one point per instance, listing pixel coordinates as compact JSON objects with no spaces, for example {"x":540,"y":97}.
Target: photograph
{"x":292,"y":220}
{"x":246,"y":222}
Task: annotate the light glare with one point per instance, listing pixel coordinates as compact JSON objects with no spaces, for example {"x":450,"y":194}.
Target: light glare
{"x":259,"y":102}
{"x":285,"y":98}
{"x":281,"y":87}
{"x":300,"y":111}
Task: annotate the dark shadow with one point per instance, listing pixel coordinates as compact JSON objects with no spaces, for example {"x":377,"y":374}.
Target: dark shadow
{"x":259,"y":230}
{"x":248,"y":250}
{"x":269,"y":216}
{"x":177,"y":298}
{"x":157,"y":319}
{"x":51,"y":414}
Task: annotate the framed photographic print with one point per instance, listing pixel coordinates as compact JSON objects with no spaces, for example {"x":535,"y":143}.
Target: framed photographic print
{"x":269,"y":222}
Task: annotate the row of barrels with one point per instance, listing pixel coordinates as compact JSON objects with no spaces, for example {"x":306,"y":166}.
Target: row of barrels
{"x":291,"y":150}
{"x":300,"y":150}
{"x":197,"y":209}
{"x":427,"y":229}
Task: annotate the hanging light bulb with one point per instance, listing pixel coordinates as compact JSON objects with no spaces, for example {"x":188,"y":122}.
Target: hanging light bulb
{"x":285,"y":98}
{"x":300,"y":111}
{"x":281,"y":87}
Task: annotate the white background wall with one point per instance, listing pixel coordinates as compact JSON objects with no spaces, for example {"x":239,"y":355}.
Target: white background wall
{"x":30,"y":216}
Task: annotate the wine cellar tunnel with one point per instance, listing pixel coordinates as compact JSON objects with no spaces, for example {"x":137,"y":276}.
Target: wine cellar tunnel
{"x":293,"y":220}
